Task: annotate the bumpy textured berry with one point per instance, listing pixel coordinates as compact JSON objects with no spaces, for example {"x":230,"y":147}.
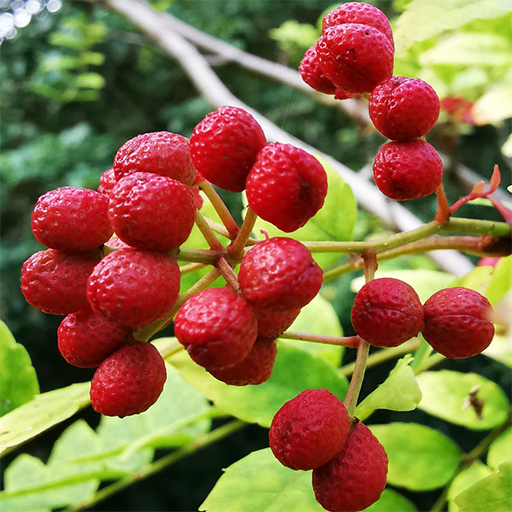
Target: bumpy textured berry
{"x":407,"y":170}
{"x":134,"y":287}
{"x":286,"y":186}
{"x":217,"y":327}
{"x":358,"y":12}
{"x":279,"y":274}
{"x":355,"y":57}
{"x":224,"y":146}
{"x":458,"y":322}
{"x":404,"y":108}
{"x":129,"y":381}
{"x":272,"y":323}
{"x":152,"y":212}
{"x":356,"y":477}
{"x":255,"y":369}
{"x":309,"y":430}
{"x":107,"y":182}
{"x":340,"y":94}
{"x":55,"y":282}
{"x":387,"y":312}
{"x":312,"y":73}
{"x":163,"y":153}
{"x":71,"y":219}
{"x":87,"y":338}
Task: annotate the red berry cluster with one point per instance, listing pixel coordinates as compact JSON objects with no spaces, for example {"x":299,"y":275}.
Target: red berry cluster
{"x":456,"y":322}
{"x":355,"y":55}
{"x":314,"y":432}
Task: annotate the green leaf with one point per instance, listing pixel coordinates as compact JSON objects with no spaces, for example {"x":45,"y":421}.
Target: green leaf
{"x":92,"y":59}
{"x":469,"y":49}
{"x":421,"y":354}
{"x":67,"y":41}
{"x":425,"y":19}
{"x":259,"y":482}
{"x":399,"y":392}
{"x":424,"y":282}
{"x":40,"y":414}
{"x":496,"y":104}
{"x":318,"y":317}
{"x":18,"y":379}
{"x":492,"y":493}
{"x":90,"y":81}
{"x":294,"y":38}
{"x":474,"y":279}
{"x":391,"y":501}
{"x":445,"y":393}
{"x":500,"y":450}
{"x":175,"y":419}
{"x":464,"y":480}
{"x":294,"y":372}
{"x":420,"y":458}
{"x":501,"y":281}
{"x":26,"y":472}
{"x":335,"y":221}
{"x":500,"y":349}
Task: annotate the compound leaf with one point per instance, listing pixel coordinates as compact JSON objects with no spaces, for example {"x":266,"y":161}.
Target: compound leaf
{"x":465,"y":479}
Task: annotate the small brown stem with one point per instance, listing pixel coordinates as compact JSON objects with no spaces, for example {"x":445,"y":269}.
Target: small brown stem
{"x":344,"y":341}
{"x":236,"y":249}
{"x":207,"y":232}
{"x":220,"y":208}
{"x":443,"y":208}
{"x":228,"y":273}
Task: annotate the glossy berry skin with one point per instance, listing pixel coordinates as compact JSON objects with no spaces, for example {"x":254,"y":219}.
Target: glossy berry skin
{"x":458,"y":322}
{"x":286,"y":186}
{"x":355,"y":58}
{"x":55,"y":282}
{"x":272,"y":323}
{"x":152,"y":212}
{"x":355,"y":477}
{"x":407,"y":170}
{"x":87,"y":338}
{"x":404,"y":108}
{"x":129,"y":381}
{"x":163,"y":153}
{"x":134,"y":287}
{"x":387,"y":312}
{"x":255,"y":369}
{"x":71,"y":219}
{"x":224,"y":146}
{"x":279,"y":274}
{"x":309,"y":430}
{"x":358,"y":12}
{"x":217,"y":327}
{"x":107,"y":182}
{"x":312,"y":74}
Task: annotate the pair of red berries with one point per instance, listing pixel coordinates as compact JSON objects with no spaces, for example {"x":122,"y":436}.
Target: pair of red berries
{"x":355,"y":55}
{"x":456,"y":322}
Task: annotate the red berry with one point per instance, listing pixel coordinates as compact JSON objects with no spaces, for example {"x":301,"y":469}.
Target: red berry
{"x":407,"y":170}
{"x":279,"y":274}
{"x":286,"y":186}
{"x":404,"y":108}
{"x":339,"y":94}
{"x":55,"y":282}
{"x":309,"y":430}
{"x":271,"y":323}
{"x":217,"y":327}
{"x":134,"y":287}
{"x":71,"y":219}
{"x":255,"y":369}
{"x":458,"y":322}
{"x":107,"y":182}
{"x":198,"y":200}
{"x":224,"y":146}
{"x":359,"y":12}
{"x":355,"y":57}
{"x":152,"y":212}
{"x":312,"y":73}
{"x":163,"y":153}
{"x":87,"y":338}
{"x":129,"y":381}
{"x":356,"y":477}
{"x":488,"y":261}
{"x":387,"y":312}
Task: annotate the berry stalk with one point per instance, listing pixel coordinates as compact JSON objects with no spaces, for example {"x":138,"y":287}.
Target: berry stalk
{"x":228,"y":273}
{"x":443,"y":208}
{"x":207,"y":232}
{"x":344,"y":341}
{"x":237,"y":248}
